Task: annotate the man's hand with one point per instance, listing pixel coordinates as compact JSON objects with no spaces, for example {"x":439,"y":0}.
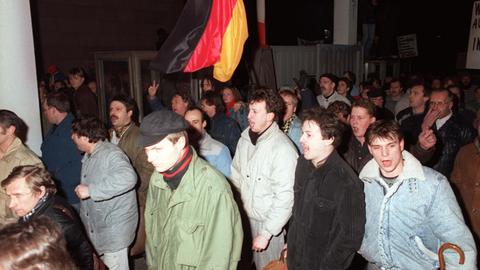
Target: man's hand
{"x":152,"y":89}
{"x":82,"y":192}
{"x":237,"y":106}
{"x":427,"y":139}
{"x":260,"y":243}
{"x":430,"y":118}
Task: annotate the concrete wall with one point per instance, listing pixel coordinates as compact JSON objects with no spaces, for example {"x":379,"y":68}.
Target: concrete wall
{"x":68,"y":32}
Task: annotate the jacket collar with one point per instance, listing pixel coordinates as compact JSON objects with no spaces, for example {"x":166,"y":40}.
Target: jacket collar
{"x":16,"y":144}
{"x":186,"y":189}
{"x":266,"y":134}
{"x":412,"y":168}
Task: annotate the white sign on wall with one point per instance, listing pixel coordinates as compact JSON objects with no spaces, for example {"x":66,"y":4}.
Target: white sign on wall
{"x":473,"y":52}
{"x":407,"y":46}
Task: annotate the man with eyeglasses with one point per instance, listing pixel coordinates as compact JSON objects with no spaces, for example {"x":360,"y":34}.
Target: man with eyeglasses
{"x":450,"y":131}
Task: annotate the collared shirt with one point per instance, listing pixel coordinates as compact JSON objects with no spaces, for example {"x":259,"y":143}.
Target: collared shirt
{"x":440,"y":122}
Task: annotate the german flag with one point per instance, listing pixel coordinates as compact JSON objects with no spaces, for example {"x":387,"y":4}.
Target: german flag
{"x":208,"y":32}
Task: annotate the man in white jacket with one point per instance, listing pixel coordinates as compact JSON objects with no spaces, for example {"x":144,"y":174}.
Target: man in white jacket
{"x":263,"y":170}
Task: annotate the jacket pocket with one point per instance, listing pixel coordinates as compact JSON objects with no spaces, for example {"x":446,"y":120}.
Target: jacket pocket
{"x":191,"y":239}
{"x":422,"y":252}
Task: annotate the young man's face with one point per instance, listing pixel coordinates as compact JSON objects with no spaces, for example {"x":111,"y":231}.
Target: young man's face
{"x":417,"y":97}
{"x":164,"y":154}
{"x":49,"y":113}
{"x":195,"y":119}
{"x":387,"y":152}
{"x":258,"y":117}
{"x":315,"y":148}
{"x":360,"y":120}
{"x":75,"y":81}
{"x":395,"y":89}
{"x":209,"y":110}
{"x":22,"y":198}
{"x":81,"y":142}
{"x":119,"y":115}
{"x":179,"y":106}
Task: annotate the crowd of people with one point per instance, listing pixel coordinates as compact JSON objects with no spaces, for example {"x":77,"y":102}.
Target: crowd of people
{"x":378,"y":176}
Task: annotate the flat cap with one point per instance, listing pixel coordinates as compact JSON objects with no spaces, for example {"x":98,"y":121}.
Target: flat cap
{"x":157,"y":125}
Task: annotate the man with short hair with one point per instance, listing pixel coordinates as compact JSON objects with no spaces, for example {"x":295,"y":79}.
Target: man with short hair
{"x":85,"y":101}
{"x":361,"y":117}
{"x":124,"y":134}
{"x":450,"y":131}
{"x":215,"y":152}
{"x":411,"y":209}
{"x":396,"y":99}
{"x":221,"y":127}
{"x":32,"y":194}
{"x":181,"y":102}
{"x":263,"y":170}
{"x":328,"y":217}
{"x":109,"y":205}
{"x":60,"y":155}
{"x":191,"y":218}
{"x":411,"y":118}
{"x":13,"y":153}
{"x":328,"y":86}
{"x":291,"y":124}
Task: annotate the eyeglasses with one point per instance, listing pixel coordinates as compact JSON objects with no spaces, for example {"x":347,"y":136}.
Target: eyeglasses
{"x":438,"y":103}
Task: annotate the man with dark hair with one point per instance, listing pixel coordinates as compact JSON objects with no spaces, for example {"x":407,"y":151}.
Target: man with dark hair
{"x":449,"y":129}
{"x":411,"y":118}
{"x":181,"y":102}
{"x":328,"y":217}
{"x":32,"y":194}
{"x":85,"y":101}
{"x":215,"y":152}
{"x":109,"y":204}
{"x":361,"y":117}
{"x":13,"y":153}
{"x":411,"y":209}
{"x":59,"y":153}
{"x":328,"y":85}
{"x":124,"y":133}
{"x":191,"y":218}
{"x":263,"y":171}
{"x":222,"y":128}
{"x":38,"y":244}
{"x":396,"y":99}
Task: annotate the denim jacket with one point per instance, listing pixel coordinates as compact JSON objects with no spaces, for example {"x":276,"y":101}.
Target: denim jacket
{"x":409,"y":221}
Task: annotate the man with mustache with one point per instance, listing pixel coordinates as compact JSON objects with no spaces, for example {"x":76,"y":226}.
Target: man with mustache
{"x":124,"y":133}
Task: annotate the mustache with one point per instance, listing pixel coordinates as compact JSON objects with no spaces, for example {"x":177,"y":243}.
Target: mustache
{"x":113,"y":117}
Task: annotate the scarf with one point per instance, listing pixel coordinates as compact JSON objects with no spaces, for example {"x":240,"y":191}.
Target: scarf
{"x":228,"y":106}
{"x":174,"y":175}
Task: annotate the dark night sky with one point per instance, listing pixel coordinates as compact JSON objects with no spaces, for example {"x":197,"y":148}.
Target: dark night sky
{"x":442,"y":27}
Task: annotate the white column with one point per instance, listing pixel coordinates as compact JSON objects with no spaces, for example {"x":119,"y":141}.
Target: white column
{"x":18,"y":79}
{"x":345,"y":22}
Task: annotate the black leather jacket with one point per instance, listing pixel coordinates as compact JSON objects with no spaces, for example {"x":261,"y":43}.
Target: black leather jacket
{"x":61,"y":212}
{"x":450,"y":138}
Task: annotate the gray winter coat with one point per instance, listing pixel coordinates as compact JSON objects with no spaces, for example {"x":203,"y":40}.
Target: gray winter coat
{"x":110,"y":213}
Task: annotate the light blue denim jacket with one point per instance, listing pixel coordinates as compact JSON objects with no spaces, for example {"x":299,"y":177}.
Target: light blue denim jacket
{"x":295,"y":132}
{"x":408,"y":222}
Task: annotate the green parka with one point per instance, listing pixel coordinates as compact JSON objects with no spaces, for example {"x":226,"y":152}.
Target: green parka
{"x":197,"y":226}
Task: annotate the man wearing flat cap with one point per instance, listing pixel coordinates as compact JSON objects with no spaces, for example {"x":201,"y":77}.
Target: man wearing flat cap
{"x":191,"y":218}
{"x":328,"y":85}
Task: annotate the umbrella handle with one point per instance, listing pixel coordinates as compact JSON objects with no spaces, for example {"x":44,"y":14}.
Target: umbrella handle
{"x":455,"y":248}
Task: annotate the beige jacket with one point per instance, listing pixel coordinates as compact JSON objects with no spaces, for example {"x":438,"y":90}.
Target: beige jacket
{"x":17,"y":154}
